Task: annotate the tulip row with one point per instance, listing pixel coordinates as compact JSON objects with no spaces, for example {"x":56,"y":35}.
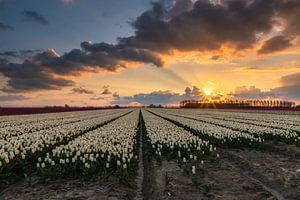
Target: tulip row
{"x":286,"y":122}
{"x":270,"y":124}
{"x":23,"y":126}
{"x":284,"y":118}
{"x":218,"y":135}
{"x":19,"y":150}
{"x":112,"y":147}
{"x":170,"y":141}
{"x":264,"y":132}
{"x":15,"y":120}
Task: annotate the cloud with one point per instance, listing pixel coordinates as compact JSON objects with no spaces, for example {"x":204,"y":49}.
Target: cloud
{"x":205,"y":26}
{"x":178,"y":7}
{"x":275,"y":44}
{"x":35,"y":16}
{"x":159,"y":97}
{"x":291,"y":79}
{"x":135,"y":104}
{"x":48,"y":70}
{"x":81,"y":90}
{"x":253,"y":92}
{"x":289,"y":90}
{"x":22,"y":54}
{"x":31,"y":75}
{"x":290,"y":86}
{"x":8,"y":54}
{"x":116,"y":96}
{"x":106,"y":90}
{"x":123,"y":53}
{"x":95,"y":98}
{"x":13,"y":98}
{"x":6,"y":27}
{"x":3,"y":61}
{"x":43,"y":82}
{"x":216,"y":57}
{"x":289,"y":10}
{"x":91,"y":58}
{"x":209,"y":25}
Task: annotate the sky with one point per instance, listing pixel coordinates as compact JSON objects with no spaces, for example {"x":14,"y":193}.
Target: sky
{"x":141,"y":52}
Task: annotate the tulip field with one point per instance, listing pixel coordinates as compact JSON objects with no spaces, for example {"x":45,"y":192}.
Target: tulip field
{"x":151,"y":153}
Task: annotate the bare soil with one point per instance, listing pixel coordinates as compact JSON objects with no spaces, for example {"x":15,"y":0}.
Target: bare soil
{"x":67,"y":189}
{"x":273,"y":168}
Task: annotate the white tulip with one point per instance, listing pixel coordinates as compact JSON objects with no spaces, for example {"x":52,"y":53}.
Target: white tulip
{"x":193,"y":169}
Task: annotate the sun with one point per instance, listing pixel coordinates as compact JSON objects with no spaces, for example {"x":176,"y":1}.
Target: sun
{"x":207,"y":91}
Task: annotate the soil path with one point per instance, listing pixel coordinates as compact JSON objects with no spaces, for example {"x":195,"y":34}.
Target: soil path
{"x":140,"y":175}
{"x":148,"y":167}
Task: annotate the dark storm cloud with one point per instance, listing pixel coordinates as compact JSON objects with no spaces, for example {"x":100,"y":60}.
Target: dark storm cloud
{"x":91,"y":58}
{"x":277,"y":43}
{"x":30,"y":76}
{"x":81,"y":90}
{"x":6,"y":27}
{"x":289,"y":10}
{"x":42,"y":82}
{"x":123,"y":52}
{"x":159,"y":97}
{"x":13,"y":98}
{"x":8,"y":54}
{"x":206,"y":26}
{"x":3,"y":61}
{"x":178,"y":7}
{"x":35,"y":16}
{"x":22,"y":54}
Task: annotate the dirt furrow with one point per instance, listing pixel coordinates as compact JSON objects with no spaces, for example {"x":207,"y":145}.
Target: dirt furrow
{"x":148,"y":167}
{"x":140,"y":175}
{"x":276,"y":174}
{"x":272,"y":191}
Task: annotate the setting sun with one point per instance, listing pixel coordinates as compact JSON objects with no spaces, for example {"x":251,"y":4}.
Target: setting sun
{"x":207,"y":91}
